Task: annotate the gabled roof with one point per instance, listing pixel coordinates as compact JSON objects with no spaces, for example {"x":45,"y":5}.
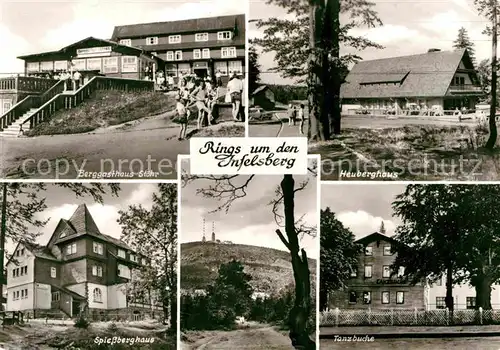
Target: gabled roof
{"x":376,"y":236}
{"x":80,"y":224}
{"x":69,"y":51}
{"x":424,"y":75}
{"x":179,"y":27}
{"x":37,"y":250}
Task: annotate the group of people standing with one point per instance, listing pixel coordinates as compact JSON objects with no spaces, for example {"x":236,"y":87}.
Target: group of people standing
{"x":71,"y":81}
{"x":295,"y":115}
{"x":203,"y":94}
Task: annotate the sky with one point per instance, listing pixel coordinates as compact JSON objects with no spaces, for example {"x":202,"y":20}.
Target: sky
{"x":28,"y":27}
{"x":249,"y":220}
{"x":409,"y":27}
{"x":362,"y":207}
{"x":61,"y":204}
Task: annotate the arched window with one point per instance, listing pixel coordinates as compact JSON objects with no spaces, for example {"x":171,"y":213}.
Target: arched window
{"x":97,"y":295}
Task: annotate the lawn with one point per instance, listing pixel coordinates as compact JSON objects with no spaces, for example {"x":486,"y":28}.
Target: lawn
{"x":105,"y":108}
{"x":425,"y":152}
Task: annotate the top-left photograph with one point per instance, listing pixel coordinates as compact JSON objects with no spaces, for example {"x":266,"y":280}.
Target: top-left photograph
{"x":105,"y":89}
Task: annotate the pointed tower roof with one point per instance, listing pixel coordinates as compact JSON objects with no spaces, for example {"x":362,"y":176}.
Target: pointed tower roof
{"x":82,"y":221}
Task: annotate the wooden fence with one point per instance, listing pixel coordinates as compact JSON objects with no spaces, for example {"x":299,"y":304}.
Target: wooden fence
{"x":408,"y":317}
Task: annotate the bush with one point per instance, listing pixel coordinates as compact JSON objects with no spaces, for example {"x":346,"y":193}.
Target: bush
{"x":82,"y":323}
{"x":112,"y":328}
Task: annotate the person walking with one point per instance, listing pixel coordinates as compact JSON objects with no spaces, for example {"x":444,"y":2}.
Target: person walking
{"x":200,"y":97}
{"x":301,"y":117}
{"x":181,"y":117}
{"x":291,"y":115}
{"x":235,"y":89}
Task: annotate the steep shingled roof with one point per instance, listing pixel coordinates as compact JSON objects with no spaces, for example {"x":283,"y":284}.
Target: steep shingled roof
{"x":424,"y":75}
{"x":39,"y":251}
{"x":82,"y":220}
{"x":179,"y":27}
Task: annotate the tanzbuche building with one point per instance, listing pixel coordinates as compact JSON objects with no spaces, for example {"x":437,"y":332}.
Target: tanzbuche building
{"x":373,"y":284}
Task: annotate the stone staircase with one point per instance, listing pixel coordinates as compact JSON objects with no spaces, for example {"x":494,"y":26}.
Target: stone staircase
{"x":13,"y":129}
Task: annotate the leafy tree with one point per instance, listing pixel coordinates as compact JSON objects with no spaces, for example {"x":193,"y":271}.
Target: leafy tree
{"x":228,"y":188}
{"x":308,"y":48}
{"x":484,"y":73}
{"x":153,"y":233}
{"x":463,"y":42}
{"x":489,"y":9}
{"x":231,"y":291}
{"x":339,"y":255}
{"x":431,"y":234}
{"x":21,"y":202}
{"x":254,"y":69}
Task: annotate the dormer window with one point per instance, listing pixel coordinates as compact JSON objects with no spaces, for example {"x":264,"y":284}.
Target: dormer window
{"x":201,"y":37}
{"x":225,"y":35}
{"x":152,"y":40}
{"x":174,"y":39}
{"x":126,"y":42}
{"x":133,"y":258}
{"x":121,"y":253}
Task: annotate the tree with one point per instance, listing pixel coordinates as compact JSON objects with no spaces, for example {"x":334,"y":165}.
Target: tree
{"x":308,"y":48}
{"x":153,"y":233}
{"x":463,"y":42}
{"x":430,"y":236}
{"x":230,"y":291}
{"x":382,"y":227}
{"x":228,"y":188}
{"x":253,"y":70}
{"x":339,"y":255}
{"x":489,"y":9}
{"x":21,"y":203}
{"x":484,"y":73}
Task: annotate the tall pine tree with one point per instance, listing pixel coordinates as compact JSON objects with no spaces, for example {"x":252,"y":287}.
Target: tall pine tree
{"x":253,"y":69}
{"x":463,"y":42}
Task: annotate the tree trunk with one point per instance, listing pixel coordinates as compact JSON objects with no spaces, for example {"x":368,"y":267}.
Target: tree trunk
{"x":299,"y":315}
{"x":449,"y":291}
{"x":315,"y":89}
{"x":483,"y":292}
{"x":323,"y":299}
{"x":333,"y":70}
{"x":492,"y":122}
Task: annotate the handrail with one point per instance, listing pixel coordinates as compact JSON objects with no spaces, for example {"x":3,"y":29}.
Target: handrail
{"x":30,"y":101}
{"x":71,"y":99}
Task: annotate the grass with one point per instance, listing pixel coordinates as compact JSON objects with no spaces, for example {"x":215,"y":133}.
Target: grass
{"x":411,"y":152}
{"x":105,"y":108}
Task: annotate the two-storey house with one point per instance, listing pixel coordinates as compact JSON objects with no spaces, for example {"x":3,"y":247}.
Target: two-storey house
{"x":79,"y":270}
{"x":374,"y":284}
{"x":201,"y":46}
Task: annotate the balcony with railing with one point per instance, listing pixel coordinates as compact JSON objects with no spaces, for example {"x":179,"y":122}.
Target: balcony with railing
{"x":25,"y":84}
{"x":465,"y":88}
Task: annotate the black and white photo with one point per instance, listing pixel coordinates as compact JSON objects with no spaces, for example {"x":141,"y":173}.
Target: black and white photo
{"x":409,"y":266}
{"x":248,"y":260}
{"x":89,"y":266}
{"x":391,"y":91}
{"x":112,"y":89}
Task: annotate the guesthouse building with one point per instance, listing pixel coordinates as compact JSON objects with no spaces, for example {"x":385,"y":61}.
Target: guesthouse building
{"x":91,"y":57}
{"x":373,"y":285}
{"x":80,"y":270}
{"x":202,"y":46}
{"x":437,"y":80}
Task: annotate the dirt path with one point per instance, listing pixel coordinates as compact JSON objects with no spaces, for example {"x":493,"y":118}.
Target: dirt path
{"x":255,"y":338}
{"x":130,"y":149}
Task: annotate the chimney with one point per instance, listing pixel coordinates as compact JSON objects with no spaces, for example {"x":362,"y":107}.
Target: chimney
{"x":433,"y":50}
